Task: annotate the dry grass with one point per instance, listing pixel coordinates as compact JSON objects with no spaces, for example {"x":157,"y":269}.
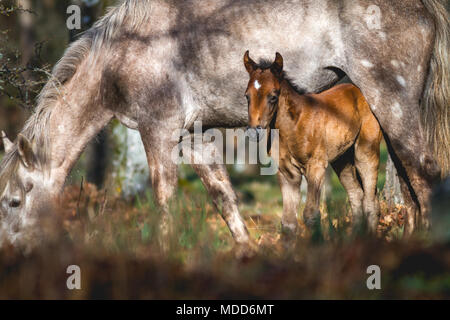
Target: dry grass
{"x":115,"y":243}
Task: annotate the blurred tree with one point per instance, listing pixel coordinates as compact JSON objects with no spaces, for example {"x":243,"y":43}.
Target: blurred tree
{"x":129,"y":168}
{"x":19,"y":80}
{"x":392,"y":191}
{"x":97,"y":151}
{"x":26,"y":24}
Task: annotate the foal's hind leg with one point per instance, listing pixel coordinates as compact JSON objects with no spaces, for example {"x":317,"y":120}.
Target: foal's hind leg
{"x":367,"y":158}
{"x":346,"y":171}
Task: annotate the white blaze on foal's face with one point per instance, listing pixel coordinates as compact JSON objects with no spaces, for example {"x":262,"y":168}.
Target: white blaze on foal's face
{"x":257,"y":85}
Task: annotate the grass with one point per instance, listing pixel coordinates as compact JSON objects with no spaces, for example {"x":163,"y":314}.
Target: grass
{"x":116,"y":243}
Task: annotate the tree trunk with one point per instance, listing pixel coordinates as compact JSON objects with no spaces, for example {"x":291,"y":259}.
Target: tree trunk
{"x":26,"y":23}
{"x":129,"y":169}
{"x":392,"y":191}
{"x":97,"y":151}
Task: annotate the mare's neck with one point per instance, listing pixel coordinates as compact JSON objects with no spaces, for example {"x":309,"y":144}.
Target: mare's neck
{"x":72,"y":124}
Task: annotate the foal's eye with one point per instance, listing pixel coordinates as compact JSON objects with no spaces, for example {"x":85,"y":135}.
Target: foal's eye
{"x":273,"y":99}
{"x":247,"y":97}
{"x":14,"y":203}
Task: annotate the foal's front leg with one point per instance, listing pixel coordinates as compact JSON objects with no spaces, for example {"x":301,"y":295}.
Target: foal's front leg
{"x":315,"y":175}
{"x":290,"y":190}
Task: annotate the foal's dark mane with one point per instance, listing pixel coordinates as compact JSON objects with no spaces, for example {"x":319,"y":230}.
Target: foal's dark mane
{"x":265,"y":64}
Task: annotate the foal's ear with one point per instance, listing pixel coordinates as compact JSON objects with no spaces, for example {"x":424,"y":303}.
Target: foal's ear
{"x":250,"y":65}
{"x":277,"y":65}
{"x":26,"y":152}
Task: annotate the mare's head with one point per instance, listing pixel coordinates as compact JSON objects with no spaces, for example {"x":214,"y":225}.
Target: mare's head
{"x":22,"y":193}
{"x":262,"y":92}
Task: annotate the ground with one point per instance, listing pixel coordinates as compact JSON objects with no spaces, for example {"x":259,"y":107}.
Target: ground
{"x":115,"y":243}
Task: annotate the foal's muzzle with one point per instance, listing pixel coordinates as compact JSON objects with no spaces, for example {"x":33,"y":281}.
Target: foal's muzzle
{"x":255,"y":133}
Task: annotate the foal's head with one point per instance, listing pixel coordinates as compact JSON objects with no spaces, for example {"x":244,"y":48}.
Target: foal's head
{"x":263,"y":91}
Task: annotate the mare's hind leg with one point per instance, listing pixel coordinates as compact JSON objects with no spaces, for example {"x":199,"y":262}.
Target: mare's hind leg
{"x":412,"y":156}
{"x":411,"y":208}
{"x":367,"y":158}
{"x":410,"y":201}
{"x":392,"y":81}
{"x":315,"y":175}
{"x":398,"y":113}
{"x":346,"y":172}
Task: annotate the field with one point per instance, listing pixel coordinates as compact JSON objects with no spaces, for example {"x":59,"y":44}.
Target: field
{"x":115,"y":243}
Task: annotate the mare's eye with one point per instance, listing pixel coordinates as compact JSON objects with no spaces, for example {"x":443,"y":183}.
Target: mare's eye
{"x":14,"y":203}
{"x":247,"y":97}
{"x":28,"y":187}
{"x":273,"y":99}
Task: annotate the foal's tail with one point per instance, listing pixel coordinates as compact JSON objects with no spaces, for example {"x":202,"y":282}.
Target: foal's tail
{"x":436,"y":96}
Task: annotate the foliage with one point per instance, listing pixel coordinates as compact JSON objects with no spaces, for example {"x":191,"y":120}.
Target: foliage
{"x":18,"y":81}
{"x":115,"y":243}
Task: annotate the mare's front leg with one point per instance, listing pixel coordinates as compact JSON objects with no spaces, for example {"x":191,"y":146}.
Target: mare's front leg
{"x":315,"y":175}
{"x":290,"y":190}
{"x":217,"y":182}
{"x":157,"y":134}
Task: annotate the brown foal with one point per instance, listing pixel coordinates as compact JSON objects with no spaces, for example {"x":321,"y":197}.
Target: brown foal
{"x":335,"y":126}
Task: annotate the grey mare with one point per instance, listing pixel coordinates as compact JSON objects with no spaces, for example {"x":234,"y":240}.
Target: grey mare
{"x":160,"y":65}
